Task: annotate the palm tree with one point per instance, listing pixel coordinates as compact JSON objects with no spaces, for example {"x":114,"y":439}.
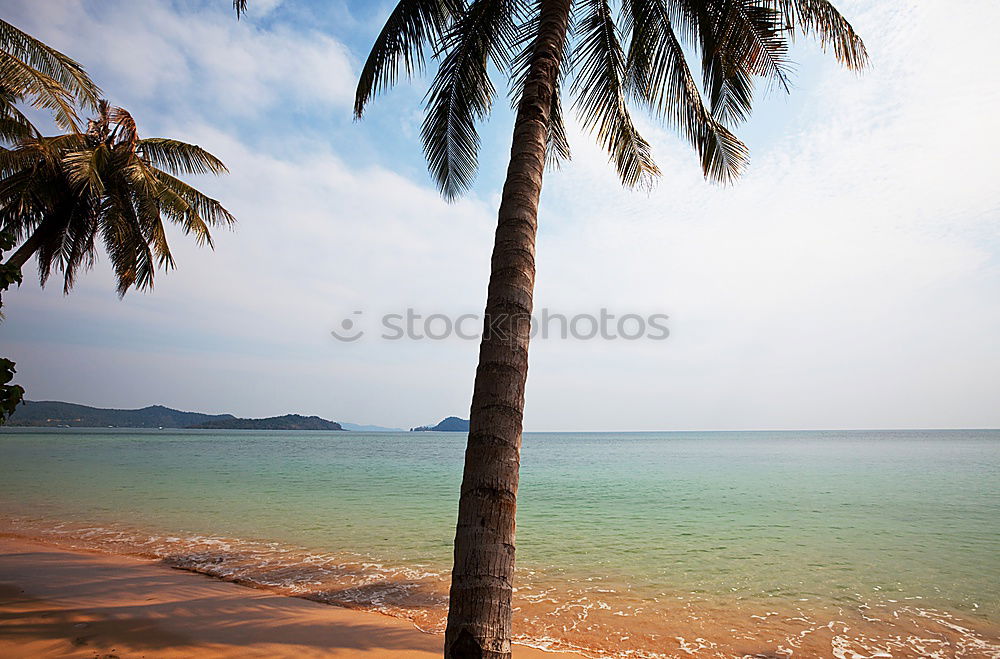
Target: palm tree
{"x":58,"y":194}
{"x":612,"y":62}
{"x":32,"y":72}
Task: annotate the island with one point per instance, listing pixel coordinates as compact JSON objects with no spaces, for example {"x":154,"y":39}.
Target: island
{"x":286,"y":422}
{"x":57,"y":414}
{"x":451,"y":424}
{"x":54,"y":414}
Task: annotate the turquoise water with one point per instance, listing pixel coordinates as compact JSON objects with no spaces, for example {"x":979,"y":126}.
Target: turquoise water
{"x":719,"y":537}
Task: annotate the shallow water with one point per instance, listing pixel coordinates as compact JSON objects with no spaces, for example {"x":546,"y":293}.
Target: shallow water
{"x":849,"y":544}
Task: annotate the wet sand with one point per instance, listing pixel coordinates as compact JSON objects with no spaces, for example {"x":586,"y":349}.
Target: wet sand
{"x":60,"y":603}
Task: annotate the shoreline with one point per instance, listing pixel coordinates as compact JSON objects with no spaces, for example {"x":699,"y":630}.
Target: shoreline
{"x":77,"y":603}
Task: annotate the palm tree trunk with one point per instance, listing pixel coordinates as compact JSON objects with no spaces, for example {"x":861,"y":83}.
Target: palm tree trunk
{"x":479,"y":614}
{"x":26,"y":250}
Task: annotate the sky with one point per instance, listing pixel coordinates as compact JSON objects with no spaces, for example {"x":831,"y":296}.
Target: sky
{"x":849,"y":280}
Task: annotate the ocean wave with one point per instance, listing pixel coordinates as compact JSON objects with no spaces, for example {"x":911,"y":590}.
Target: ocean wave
{"x":589,"y":615}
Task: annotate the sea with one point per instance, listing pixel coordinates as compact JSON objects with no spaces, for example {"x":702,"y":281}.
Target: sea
{"x":849,"y":544}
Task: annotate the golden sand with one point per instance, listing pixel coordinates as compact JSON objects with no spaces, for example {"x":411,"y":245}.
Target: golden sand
{"x":59,"y":603}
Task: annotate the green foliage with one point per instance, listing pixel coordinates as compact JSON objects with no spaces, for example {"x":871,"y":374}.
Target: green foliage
{"x":66,"y":192}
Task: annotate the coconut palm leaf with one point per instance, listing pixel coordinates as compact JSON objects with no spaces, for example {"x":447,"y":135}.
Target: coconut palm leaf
{"x":658,"y":77}
{"x":84,"y":169}
{"x":78,"y":246}
{"x":38,"y":151}
{"x":412,"y":25}
{"x":66,"y":71}
{"x":462,"y":93}
{"x":600,"y":95}
{"x":14,"y":126}
{"x":820,"y":18}
{"x":179,"y":157}
{"x":44,"y":92}
{"x":728,"y":86}
{"x":557,"y":149}
{"x":42,"y":76}
{"x":125,"y":243}
{"x":20,"y":207}
{"x":204,"y":207}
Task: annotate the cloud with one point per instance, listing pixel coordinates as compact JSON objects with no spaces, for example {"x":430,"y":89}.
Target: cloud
{"x":860,"y":242}
{"x":195,"y":58}
{"x":849,"y":280}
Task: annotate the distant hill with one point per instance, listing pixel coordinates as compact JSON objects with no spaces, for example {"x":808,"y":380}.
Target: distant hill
{"x":286,"y":422}
{"x":363,"y":428}
{"x":54,"y":413}
{"x":451,"y":424}
{"x":48,"y":413}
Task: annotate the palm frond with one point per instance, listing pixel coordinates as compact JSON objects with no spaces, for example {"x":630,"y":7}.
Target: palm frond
{"x":556,"y":142}
{"x":658,"y":77}
{"x":820,"y":18}
{"x":14,"y":126}
{"x":241,"y":8}
{"x":149,"y":214}
{"x":737,"y":39}
{"x":15,"y":160}
{"x":78,"y":248}
{"x":64,"y":238}
{"x":38,"y":151}
{"x":42,"y":91}
{"x":180,"y":211}
{"x":600,"y":96}
{"x":411,"y":26}
{"x":462,"y":93}
{"x":66,"y":71}
{"x":755,"y":40}
{"x":126,"y":244}
{"x":23,"y":204}
{"x":84,"y":169}
{"x":179,"y":157}
{"x":53,"y":234}
{"x":126,"y":132}
{"x":206,"y":209}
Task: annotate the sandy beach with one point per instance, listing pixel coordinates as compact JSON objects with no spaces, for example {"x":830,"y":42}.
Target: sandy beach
{"x":60,"y":603}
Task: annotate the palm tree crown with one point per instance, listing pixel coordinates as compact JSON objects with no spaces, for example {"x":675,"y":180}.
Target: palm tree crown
{"x":59,"y":194}
{"x":614,"y":61}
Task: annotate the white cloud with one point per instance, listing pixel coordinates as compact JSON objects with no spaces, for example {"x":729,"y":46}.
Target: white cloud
{"x":849,"y":280}
{"x":194,"y":60}
{"x":862,"y":242}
